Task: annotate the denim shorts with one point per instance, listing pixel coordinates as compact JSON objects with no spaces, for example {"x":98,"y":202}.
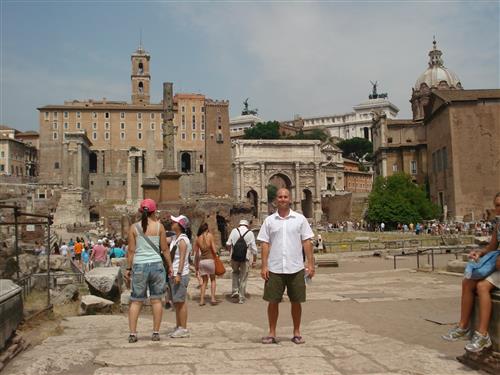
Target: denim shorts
{"x":178,"y":292}
{"x":146,"y":276}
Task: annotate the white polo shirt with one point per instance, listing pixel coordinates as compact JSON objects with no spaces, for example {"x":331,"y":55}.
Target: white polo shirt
{"x":285,"y":236}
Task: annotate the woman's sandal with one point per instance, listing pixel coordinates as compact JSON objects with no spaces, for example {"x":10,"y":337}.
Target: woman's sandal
{"x":298,"y":340}
{"x":269,"y":340}
{"x":202,"y":304}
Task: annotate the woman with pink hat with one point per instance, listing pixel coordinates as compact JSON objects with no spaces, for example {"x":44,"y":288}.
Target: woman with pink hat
{"x":179,"y":253}
{"x":145,"y":267}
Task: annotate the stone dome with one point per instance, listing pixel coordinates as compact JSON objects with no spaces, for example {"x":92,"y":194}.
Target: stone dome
{"x":437,"y":74}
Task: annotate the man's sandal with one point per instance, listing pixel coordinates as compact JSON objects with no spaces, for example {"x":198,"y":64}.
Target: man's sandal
{"x":269,"y":340}
{"x":298,"y":340}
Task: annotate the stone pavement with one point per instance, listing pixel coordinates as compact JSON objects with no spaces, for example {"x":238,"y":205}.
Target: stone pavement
{"x":97,"y":345}
{"x":371,"y":286}
{"x":226,"y":339}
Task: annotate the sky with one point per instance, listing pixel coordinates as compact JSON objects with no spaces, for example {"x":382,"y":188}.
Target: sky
{"x":288,"y":58}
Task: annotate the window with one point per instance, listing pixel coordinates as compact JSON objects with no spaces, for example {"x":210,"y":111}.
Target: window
{"x":78,"y":114}
{"x":94,"y":136}
{"x":439,"y":160}
{"x":41,"y":195}
{"x":203,"y":109}
{"x":94,"y":114}
{"x":194,"y":123}
{"x":106,"y":136}
{"x":413,"y":167}
{"x":66,"y":114}
{"x":122,"y":125}
{"x":185,"y":162}
{"x":139,"y":126}
{"x":106,"y":115}
{"x":202,"y":136}
{"x":193,"y":109}
{"x":56,"y":165}
{"x":219,"y":120}
{"x":152,"y":116}
{"x":2,"y":168}
{"x":394,"y":167}
{"x":183,"y":109}
{"x":66,"y":125}
{"x":122,"y":114}
{"x":445,"y":158}
{"x":183,"y":136}
{"x":202,"y":122}
{"x":389,"y":140}
{"x":139,"y":135}
{"x":329,"y":183}
{"x":193,"y":136}
{"x":183,"y":122}
{"x":140,"y":87}
{"x":434,"y":162}
{"x":54,"y":125}
{"x":94,"y":125}
{"x":46,"y":115}
{"x":139,"y":115}
{"x":78,"y":125}
{"x":201,"y":168}
{"x":152,"y":126}
{"x":122,"y":136}
{"x":106,"y":125}
{"x":54,"y":135}
{"x":107,"y":183}
{"x":55,"y":114}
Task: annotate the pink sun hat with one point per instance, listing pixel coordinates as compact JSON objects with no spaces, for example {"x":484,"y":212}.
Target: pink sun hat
{"x":149,"y":204}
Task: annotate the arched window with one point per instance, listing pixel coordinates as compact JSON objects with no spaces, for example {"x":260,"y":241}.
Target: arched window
{"x":185,"y":162}
{"x":141,"y":87}
{"x":141,"y":68}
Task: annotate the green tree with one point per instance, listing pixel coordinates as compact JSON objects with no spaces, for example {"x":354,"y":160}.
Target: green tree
{"x":272,"y":191}
{"x":263,"y":130}
{"x":312,"y":135}
{"x":356,"y":148}
{"x":396,"y":199}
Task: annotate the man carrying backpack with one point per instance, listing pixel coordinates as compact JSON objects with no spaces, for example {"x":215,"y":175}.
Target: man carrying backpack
{"x":241,"y":244}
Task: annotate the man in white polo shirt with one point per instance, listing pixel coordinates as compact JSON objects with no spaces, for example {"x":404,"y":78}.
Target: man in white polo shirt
{"x":283,"y":235}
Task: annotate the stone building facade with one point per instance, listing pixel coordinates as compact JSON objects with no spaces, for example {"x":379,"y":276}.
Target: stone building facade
{"x":452,"y":142}
{"x":309,"y":169}
{"x":357,"y":123}
{"x":126,"y":139}
{"x":355,"y":180}
{"x":18,"y":155}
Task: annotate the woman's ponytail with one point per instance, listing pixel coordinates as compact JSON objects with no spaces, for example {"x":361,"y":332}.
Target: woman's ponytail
{"x":144,"y":219}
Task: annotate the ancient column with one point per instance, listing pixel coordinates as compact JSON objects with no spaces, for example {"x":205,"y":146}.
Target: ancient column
{"x":79,"y":163}
{"x":317,"y":199}
{"x":241,"y":177}
{"x":139,"y":178}
{"x":169,"y":176}
{"x":263,"y":192}
{"x":237,"y":171}
{"x":298,"y":192}
{"x":129,"y":179}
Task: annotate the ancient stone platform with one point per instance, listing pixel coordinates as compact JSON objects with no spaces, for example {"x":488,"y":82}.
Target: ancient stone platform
{"x":98,"y":345}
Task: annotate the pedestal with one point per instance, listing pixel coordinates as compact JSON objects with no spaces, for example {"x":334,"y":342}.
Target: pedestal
{"x":169,"y":186}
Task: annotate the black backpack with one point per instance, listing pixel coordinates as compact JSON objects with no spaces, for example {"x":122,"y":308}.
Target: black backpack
{"x":240,"y":248}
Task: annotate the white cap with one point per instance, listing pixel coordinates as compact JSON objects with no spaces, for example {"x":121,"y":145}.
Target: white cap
{"x":244,"y":222}
{"x":99,"y":241}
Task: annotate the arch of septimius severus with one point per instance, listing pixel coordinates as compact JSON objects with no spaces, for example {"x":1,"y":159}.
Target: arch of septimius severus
{"x":309,"y":169}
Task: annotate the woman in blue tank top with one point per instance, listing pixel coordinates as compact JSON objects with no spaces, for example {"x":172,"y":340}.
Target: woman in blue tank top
{"x":480,"y":338}
{"x":145,"y":267}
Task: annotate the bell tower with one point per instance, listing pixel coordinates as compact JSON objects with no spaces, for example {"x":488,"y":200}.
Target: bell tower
{"x":140,"y":77}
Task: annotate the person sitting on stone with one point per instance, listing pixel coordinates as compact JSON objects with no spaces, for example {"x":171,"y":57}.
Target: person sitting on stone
{"x":480,"y":339}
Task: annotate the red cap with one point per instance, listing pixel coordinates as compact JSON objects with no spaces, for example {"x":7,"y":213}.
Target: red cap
{"x":149,"y":204}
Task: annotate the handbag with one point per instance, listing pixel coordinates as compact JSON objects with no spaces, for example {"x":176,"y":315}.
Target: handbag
{"x":219,"y":266}
{"x":484,"y":267}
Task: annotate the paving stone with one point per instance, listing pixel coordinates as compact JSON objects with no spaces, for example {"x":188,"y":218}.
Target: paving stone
{"x":275,"y":351}
{"x":155,"y":356}
{"x":149,"y":370}
{"x":246,"y":367}
{"x":357,"y":364}
{"x":304,"y":365}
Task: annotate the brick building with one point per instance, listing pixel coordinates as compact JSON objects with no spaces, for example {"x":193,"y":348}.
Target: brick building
{"x":452,"y":143}
{"x":355,"y":180}
{"x":126,"y":140}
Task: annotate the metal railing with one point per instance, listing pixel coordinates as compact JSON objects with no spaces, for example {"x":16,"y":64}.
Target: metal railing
{"x":430,"y":252}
